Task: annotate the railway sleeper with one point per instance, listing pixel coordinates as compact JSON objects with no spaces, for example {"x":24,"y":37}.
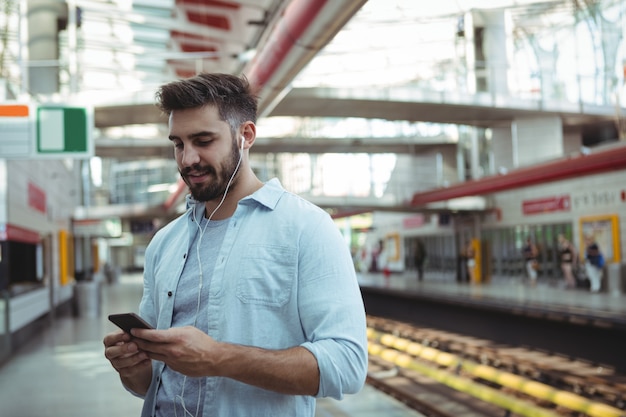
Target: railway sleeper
{"x":577,"y":376}
{"x":496,"y":377}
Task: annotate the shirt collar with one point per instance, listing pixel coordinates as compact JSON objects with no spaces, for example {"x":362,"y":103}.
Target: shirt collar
{"x":268,"y":196}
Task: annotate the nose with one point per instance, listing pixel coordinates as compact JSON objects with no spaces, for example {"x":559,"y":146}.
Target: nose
{"x":189,"y":156}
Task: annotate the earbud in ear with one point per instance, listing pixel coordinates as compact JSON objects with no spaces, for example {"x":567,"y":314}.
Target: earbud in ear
{"x":243,"y":141}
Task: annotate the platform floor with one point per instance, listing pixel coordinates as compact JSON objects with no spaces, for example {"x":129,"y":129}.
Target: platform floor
{"x":547,"y":295}
{"x":62,"y":371}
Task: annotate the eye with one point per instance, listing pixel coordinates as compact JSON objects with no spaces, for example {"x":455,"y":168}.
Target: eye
{"x":204,"y":142}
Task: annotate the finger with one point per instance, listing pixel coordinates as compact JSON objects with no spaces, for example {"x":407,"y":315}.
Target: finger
{"x":148,"y":334}
{"x":132,"y":365}
{"x":115,"y":338}
{"x":121,"y":349}
{"x":150,"y":346}
{"x":125,"y":355}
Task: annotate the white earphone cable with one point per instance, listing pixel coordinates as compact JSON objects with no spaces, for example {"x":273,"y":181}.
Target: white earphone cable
{"x":181,"y":397}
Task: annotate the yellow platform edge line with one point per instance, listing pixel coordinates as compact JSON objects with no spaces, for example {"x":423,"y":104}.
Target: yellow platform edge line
{"x":506,"y":379}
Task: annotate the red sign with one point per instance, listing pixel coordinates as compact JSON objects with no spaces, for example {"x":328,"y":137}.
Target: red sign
{"x":413,"y":221}
{"x":36,"y":198}
{"x":10,"y":232}
{"x":547,"y":205}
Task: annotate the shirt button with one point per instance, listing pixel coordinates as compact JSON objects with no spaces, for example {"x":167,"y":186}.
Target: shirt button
{"x":184,"y":256}
{"x":169,"y":293}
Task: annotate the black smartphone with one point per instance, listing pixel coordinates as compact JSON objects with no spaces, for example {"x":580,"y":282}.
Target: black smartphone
{"x":127,"y":321}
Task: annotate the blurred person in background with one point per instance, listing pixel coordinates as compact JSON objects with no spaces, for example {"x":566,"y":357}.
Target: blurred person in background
{"x":470,"y":261}
{"x":568,"y":257}
{"x":594,"y":263}
{"x":420,"y":258}
{"x":530,"y":253}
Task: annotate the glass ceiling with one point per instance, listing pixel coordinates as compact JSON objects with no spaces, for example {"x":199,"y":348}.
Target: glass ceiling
{"x":400,"y":42}
{"x":124,"y":46}
{"x":557,"y":50}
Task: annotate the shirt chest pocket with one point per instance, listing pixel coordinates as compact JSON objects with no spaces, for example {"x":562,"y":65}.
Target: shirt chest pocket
{"x":266,"y":275}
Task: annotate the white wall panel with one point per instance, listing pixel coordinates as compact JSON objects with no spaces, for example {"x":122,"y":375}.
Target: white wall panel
{"x":572,"y":142}
{"x":537,"y":140}
{"x":502,"y":148}
{"x":3,"y":191}
{"x":414,"y":173}
{"x":20,"y":173}
{"x":28,"y":307}
{"x":63,"y":294}
{"x":55,"y":180}
{"x":593,"y":195}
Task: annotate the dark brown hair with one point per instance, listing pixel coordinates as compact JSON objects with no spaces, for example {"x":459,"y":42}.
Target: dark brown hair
{"x":231,"y":95}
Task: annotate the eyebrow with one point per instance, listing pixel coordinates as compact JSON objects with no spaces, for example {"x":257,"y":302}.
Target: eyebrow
{"x":201,"y":134}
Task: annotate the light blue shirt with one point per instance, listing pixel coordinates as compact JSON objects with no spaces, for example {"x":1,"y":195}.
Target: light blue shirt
{"x":284,"y":277}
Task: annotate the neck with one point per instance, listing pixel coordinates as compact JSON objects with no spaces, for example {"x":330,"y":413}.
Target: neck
{"x":248,"y":183}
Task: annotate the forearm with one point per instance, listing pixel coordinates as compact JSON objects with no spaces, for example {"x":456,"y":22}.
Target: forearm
{"x":291,"y":371}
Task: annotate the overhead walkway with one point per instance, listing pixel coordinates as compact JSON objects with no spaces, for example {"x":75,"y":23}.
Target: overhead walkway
{"x":417,"y":104}
{"x":391,"y":103}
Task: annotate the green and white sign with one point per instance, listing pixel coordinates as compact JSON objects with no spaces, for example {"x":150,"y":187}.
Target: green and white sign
{"x":64,"y":132}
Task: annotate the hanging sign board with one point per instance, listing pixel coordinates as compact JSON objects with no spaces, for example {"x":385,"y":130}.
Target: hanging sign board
{"x":45,"y":131}
{"x":16,"y":125}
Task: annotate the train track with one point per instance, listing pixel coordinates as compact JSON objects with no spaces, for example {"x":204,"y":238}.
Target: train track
{"x":442,"y":374}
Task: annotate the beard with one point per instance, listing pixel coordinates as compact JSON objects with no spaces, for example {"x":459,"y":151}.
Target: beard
{"x":216,"y":187}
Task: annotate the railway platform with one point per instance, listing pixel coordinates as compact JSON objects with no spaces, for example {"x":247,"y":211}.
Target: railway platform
{"x":507,"y":293}
{"x":62,"y":370}
{"x":575,"y":323}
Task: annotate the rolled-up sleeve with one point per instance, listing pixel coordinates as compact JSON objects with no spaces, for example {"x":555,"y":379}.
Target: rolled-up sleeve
{"x":332,"y":312}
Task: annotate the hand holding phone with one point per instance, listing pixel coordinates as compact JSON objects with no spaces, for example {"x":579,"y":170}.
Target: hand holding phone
{"x":127,"y":321}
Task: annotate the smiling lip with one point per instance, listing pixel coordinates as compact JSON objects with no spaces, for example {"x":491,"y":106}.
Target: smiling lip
{"x":196,"y":178}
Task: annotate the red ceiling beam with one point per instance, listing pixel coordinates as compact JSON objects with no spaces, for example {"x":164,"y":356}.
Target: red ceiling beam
{"x":302,"y":30}
{"x":571,"y":167}
{"x":296,"y":19}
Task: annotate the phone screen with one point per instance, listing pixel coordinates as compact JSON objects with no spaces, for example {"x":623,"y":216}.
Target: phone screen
{"x":127,"y":321}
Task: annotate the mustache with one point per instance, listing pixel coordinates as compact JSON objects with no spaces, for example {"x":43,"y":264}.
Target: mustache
{"x":197,"y":169}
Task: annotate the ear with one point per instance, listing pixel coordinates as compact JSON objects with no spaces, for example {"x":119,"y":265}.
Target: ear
{"x":247,"y":134}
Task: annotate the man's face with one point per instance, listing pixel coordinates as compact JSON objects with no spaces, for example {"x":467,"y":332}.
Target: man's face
{"x":205,"y":151}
